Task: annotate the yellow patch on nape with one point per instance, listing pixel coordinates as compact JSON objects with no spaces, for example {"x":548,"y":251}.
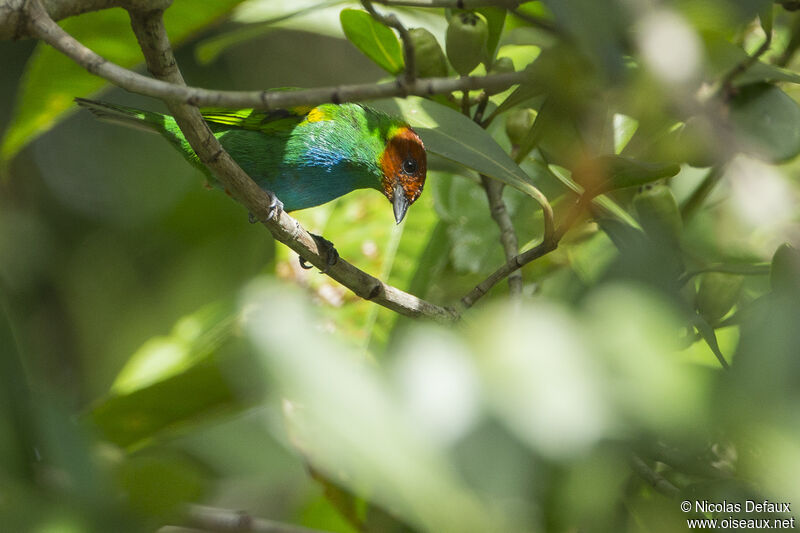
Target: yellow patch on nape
{"x":317,"y":115}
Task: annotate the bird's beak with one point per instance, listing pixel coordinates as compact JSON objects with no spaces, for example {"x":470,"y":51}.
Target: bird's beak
{"x":400,"y":203}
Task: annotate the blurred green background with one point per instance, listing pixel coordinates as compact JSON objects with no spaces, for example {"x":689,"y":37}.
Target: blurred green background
{"x":159,"y":351}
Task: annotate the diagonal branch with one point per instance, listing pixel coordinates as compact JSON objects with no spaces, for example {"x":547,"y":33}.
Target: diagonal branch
{"x":150,"y":31}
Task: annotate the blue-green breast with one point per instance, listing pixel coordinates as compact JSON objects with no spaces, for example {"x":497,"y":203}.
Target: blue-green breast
{"x":328,"y":153}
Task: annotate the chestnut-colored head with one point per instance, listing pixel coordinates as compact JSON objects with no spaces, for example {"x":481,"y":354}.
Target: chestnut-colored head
{"x":404,"y":165}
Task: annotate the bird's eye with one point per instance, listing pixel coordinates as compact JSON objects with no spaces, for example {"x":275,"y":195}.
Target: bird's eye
{"x":410,"y":166}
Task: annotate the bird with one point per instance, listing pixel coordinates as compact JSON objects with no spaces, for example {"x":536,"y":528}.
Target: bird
{"x":305,"y":155}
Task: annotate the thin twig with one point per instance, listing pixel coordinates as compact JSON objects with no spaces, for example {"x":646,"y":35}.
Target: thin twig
{"x":653,"y":479}
{"x":549,"y":243}
{"x":227,"y":521}
{"x":693,"y":203}
{"x":483,"y":101}
{"x":508,"y":237}
{"x":726,"y":83}
{"x":748,"y":269}
{"x":408,"y":45}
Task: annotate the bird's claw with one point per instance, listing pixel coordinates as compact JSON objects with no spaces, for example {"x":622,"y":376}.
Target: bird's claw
{"x":331,"y":255}
{"x":275,"y":208}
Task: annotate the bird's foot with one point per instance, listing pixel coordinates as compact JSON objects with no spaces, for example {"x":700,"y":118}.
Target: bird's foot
{"x":275,"y":208}
{"x":331,"y":255}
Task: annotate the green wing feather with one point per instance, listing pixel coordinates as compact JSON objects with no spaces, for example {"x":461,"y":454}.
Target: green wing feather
{"x":256,"y":120}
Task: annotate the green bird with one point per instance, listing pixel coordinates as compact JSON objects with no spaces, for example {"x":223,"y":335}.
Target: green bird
{"x":305,"y":156}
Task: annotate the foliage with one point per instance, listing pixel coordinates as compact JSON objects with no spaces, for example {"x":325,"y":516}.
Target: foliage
{"x":157,"y":351}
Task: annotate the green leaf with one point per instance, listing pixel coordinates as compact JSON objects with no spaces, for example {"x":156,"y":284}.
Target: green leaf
{"x":765,"y":16}
{"x":375,"y":40}
{"x":707,"y":332}
{"x":765,"y":119}
{"x":496,"y":18}
{"x":621,"y":172}
{"x":725,"y":56}
{"x":158,"y":482}
{"x":51,"y":80}
{"x":175,"y":378}
{"x":401,"y":265}
{"x":785,"y":270}
{"x":453,"y":136}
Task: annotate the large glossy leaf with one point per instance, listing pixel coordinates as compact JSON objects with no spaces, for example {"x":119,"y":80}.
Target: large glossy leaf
{"x":51,"y":80}
{"x":453,"y":136}
{"x":767,"y":121}
{"x":375,"y":40}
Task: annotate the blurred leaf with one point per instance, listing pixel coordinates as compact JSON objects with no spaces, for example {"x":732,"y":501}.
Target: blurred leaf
{"x":785,"y":270}
{"x":192,"y":339}
{"x":51,"y":81}
{"x":597,"y":27}
{"x":209,"y":49}
{"x":765,"y":120}
{"x":717,"y":294}
{"x":496,"y":18}
{"x":451,"y":135}
{"x":378,"y":447}
{"x":765,"y":16}
{"x":158,"y":482}
{"x":375,"y":40}
{"x":707,"y":332}
{"x":175,"y":379}
{"x":204,"y":389}
{"x":619,"y":172}
{"x":624,"y":129}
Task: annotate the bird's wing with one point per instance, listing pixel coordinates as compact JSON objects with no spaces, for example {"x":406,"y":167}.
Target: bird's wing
{"x":256,"y":120}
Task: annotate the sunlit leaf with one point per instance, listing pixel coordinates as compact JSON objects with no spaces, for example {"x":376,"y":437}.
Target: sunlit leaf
{"x":375,"y":40}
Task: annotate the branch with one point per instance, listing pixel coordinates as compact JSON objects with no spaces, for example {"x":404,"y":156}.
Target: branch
{"x":227,"y":521}
{"x":12,"y":19}
{"x":726,"y":83}
{"x":655,"y":480}
{"x":150,"y":31}
{"x":38,"y":24}
{"x":408,"y":46}
{"x":549,"y":243}
{"x":508,"y":237}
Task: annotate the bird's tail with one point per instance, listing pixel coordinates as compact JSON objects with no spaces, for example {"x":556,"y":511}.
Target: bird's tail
{"x":127,"y":116}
